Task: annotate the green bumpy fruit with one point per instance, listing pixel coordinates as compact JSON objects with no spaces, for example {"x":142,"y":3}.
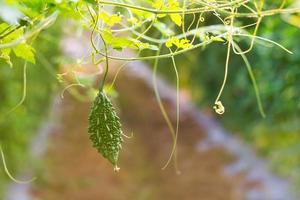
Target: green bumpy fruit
{"x":105,"y":128}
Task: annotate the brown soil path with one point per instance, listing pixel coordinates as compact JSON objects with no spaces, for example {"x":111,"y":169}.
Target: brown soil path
{"x":75,"y":171}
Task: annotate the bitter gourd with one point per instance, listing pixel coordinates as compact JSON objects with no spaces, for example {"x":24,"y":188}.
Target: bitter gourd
{"x":105,"y":128}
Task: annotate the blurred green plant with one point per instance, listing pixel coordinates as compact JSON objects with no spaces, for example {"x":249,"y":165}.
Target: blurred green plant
{"x":17,"y":127}
{"x":277,"y":74}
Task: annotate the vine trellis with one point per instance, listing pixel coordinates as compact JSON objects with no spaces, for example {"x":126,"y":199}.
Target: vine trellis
{"x":161,"y":28}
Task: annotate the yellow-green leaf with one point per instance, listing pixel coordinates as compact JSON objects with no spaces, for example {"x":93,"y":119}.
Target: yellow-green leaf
{"x":177,"y":19}
{"x":181,"y":44}
{"x":107,"y":36}
{"x":110,"y":20}
{"x":25,"y":52}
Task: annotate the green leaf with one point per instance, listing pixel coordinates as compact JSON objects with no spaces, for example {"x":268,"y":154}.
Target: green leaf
{"x":13,"y":36}
{"x":181,"y":44}
{"x":25,"y":52}
{"x":3,"y":26}
{"x":159,"y":5}
{"x":107,"y":36}
{"x":176,"y":18}
{"x":122,"y":42}
{"x":22,"y":50}
{"x":105,"y":129}
{"x":110,"y":19}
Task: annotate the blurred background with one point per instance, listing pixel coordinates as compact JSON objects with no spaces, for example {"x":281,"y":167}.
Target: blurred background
{"x":238,"y":155}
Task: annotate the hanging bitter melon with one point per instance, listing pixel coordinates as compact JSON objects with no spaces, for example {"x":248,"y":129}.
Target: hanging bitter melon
{"x":105,"y":128}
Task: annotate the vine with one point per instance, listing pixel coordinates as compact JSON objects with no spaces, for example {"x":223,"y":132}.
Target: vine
{"x":9,"y":174}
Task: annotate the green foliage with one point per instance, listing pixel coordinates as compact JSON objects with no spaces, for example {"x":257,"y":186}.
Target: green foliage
{"x":22,"y":50}
{"x":18,"y":127}
{"x":120,"y":43}
{"x":277,"y":74}
{"x":105,"y":128}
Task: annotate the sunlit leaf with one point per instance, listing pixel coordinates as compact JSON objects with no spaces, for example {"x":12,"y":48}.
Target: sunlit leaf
{"x":25,"y":52}
{"x":110,"y":19}
{"x":176,"y":18}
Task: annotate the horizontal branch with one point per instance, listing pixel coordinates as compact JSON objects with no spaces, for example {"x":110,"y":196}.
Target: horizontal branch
{"x":207,"y":8}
